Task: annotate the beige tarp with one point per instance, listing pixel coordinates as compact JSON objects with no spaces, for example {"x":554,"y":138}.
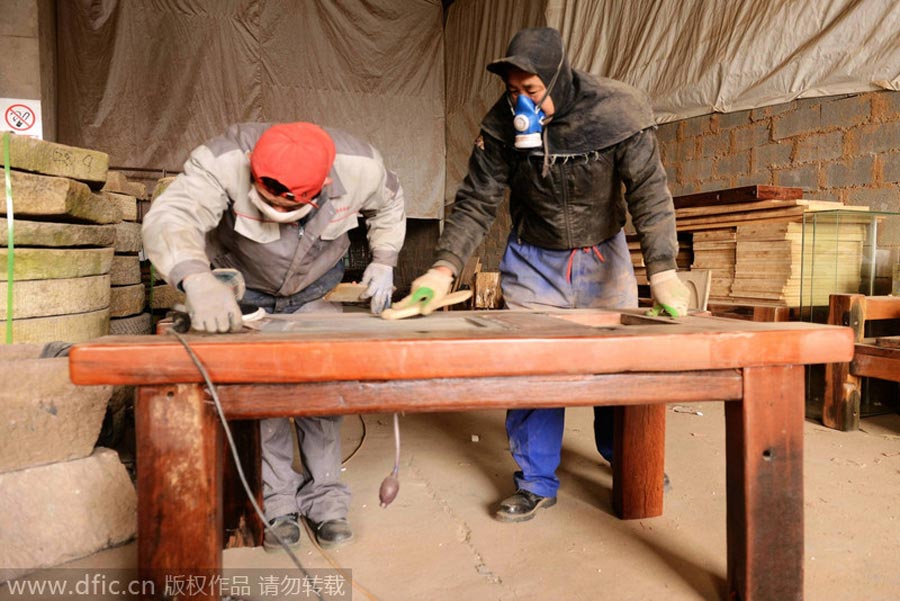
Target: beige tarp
{"x":148,"y":80}
{"x":695,"y":57}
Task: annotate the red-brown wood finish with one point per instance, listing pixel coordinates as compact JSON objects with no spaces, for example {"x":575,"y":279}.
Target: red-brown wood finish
{"x":242,"y":526}
{"x":874,"y":361}
{"x":764,"y":467}
{"x":179,"y":482}
{"x":520,"y":344}
{"x":487,"y":360}
{"x":841,"y":405}
{"x":639,"y":452}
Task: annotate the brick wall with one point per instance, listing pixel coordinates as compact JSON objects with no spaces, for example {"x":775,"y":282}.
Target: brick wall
{"x":841,"y":148}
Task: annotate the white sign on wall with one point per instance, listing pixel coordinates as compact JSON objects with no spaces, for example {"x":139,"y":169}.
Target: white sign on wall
{"x":22,"y":117}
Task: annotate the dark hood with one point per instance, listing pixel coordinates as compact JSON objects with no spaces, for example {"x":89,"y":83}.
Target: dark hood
{"x":591,"y":113}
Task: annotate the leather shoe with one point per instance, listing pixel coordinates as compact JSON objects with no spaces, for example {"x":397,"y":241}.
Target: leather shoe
{"x":333,"y":533}
{"x":522,"y":506}
{"x":287,"y":527}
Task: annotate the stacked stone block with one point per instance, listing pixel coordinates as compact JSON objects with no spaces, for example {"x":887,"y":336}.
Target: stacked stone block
{"x":64,"y":236}
{"x":62,"y":498}
{"x":128,"y":297}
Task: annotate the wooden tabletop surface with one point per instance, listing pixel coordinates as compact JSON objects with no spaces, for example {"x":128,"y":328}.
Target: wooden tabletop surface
{"x":359,"y":346}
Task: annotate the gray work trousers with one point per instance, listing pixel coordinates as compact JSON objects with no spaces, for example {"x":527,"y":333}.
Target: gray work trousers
{"x":318,"y":492}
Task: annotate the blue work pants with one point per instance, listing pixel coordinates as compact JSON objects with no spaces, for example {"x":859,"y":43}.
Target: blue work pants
{"x":533,"y":278}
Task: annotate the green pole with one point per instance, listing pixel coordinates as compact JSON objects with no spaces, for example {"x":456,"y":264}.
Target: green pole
{"x":10,"y":250}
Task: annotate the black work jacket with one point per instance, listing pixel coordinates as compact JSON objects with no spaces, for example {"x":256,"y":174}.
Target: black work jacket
{"x":580,"y":203}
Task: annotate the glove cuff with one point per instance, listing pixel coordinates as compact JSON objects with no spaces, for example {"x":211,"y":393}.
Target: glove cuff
{"x":663,"y":276}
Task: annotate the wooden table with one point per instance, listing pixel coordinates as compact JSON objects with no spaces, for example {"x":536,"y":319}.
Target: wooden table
{"x":872,"y":358}
{"x":354,"y":363}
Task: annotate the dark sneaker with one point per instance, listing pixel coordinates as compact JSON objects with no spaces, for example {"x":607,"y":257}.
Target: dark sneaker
{"x":287,"y":527}
{"x":522,"y":506}
{"x":333,"y":533}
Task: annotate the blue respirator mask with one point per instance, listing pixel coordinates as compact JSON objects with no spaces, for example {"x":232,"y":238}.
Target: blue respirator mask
{"x":528,"y":120}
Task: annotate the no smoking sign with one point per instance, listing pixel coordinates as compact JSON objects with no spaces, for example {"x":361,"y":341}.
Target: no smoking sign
{"x":21,"y":116}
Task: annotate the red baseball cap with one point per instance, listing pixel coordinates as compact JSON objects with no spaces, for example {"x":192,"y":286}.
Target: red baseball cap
{"x":297,"y":155}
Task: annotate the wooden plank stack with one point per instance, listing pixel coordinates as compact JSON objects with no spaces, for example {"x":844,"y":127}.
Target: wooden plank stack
{"x":683,"y":259}
{"x":753,"y":241}
{"x":64,"y":236}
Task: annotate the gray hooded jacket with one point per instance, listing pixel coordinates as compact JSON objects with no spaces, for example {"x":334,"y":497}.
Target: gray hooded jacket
{"x":599,"y":140}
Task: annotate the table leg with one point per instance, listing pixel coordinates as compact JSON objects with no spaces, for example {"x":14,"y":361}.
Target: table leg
{"x":639,"y":453}
{"x":179,"y":486}
{"x":764,"y":449}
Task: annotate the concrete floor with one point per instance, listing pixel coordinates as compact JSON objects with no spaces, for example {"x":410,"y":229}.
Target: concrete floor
{"x":438,"y":542}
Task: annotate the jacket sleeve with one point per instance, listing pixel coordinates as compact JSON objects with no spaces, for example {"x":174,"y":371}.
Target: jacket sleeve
{"x":174,"y":229}
{"x":649,"y":200}
{"x":476,"y":204}
{"x":385,"y":214}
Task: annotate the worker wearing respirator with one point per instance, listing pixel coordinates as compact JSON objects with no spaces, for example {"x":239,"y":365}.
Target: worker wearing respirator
{"x":564,"y":143}
{"x":275,"y":202}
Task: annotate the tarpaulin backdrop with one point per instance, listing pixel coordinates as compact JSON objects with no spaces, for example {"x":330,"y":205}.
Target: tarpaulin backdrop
{"x":147,"y":80}
{"x":692,"y":57}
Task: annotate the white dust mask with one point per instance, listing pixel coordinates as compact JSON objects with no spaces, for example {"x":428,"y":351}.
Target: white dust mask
{"x":272,"y":214}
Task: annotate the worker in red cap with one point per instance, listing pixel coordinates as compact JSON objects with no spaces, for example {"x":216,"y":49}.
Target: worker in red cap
{"x":276,"y":202}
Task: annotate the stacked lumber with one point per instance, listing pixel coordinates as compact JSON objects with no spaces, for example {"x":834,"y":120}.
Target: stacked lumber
{"x":128,"y":296}
{"x":683,"y":259}
{"x":752,"y":239}
{"x":63,"y":237}
{"x":715,"y":250}
{"x":774,"y":263}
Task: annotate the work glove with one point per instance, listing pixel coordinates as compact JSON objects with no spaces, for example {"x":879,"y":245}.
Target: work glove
{"x":428,"y":289}
{"x":211,"y":304}
{"x":669,"y":293}
{"x":380,"y":281}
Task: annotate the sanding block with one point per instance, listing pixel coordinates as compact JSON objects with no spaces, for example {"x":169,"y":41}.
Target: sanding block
{"x":416,"y":309}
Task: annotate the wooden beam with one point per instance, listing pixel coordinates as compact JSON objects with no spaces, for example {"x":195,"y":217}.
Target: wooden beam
{"x":249,"y":401}
{"x":764,"y":470}
{"x":733,"y":195}
{"x":179,"y":472}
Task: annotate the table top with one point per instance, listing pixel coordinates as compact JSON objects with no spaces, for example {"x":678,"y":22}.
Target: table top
{"x":458,"y":344}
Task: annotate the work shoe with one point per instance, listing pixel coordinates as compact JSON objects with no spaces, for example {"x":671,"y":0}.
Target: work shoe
{"x":522,"y":506}
{"x":333,"y":533}
{"x":287,"y":527}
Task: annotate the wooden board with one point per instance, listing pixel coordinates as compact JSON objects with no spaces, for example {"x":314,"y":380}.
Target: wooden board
{"x":764,"y":205}
{"x":346,"y":292}
{"x":733,"y":195}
